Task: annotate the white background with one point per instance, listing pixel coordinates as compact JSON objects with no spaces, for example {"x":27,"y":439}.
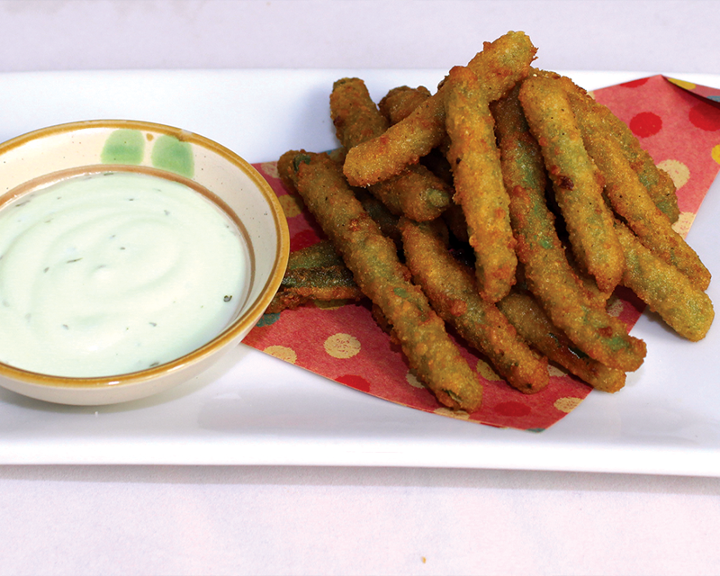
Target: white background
{"x":287,"y":520}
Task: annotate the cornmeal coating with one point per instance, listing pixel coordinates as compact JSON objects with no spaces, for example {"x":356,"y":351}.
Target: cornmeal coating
{"x":318,"y":255}
{"x":576,"y":181}
{"x":355,"y":116}
{"x":549,"y":276}
{"x":451,"y":288}
{"x":499,"y":66}
{"x":667,"y":291}
{"x":657,"y":182}
{"x":479,"y":188}
{"x":400,"y":102}
{"x":301,"y":286}
{"x":631,"y":201}
{"x":373,"y":260}
{"x":531,"y":322}
{"x":416,"y":192}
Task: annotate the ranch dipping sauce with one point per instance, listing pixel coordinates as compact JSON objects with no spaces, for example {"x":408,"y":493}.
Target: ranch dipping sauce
{"x":107,"y":273}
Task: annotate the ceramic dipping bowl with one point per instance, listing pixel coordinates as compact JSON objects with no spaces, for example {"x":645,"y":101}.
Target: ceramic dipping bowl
{"x":105,"y":146}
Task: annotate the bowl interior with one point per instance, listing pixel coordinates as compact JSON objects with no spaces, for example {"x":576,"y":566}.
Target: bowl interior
{"x":181,"y":155}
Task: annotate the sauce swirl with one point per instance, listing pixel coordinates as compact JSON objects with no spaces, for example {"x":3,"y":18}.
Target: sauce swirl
{"x":112,"y":272}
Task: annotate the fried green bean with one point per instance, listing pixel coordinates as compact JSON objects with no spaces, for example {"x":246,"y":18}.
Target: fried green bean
{"x":373,"y":260}
{"x":300,"y":286}
{"x":548,"y":274}
{"x":630,"y":200}
{"x":416,"y":192}
{"x":577,"y":184}
{"x":531,"y":322}
{"x":499,"y":65}
{"x":286,"y":171}
{"x":316,"y":272}
{"x":479,"y":187}
{"x":355,"y":116}
{"x":657,"y":182}
{"x":667,"y":291}
{"x":318,"y":255}
{"x":453,"y":293}
{"x":399,"y":102}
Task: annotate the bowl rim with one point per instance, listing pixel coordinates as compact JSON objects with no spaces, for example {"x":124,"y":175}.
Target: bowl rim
{"x":243,"y":324}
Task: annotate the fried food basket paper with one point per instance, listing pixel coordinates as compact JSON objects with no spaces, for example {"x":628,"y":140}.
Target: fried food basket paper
{"x":678,"y":123}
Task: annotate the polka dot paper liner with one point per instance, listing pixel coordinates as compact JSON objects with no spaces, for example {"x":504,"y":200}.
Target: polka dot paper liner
{"x":677,"y":123}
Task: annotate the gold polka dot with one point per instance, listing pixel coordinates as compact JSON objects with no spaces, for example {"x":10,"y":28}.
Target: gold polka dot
{"x":683,"y":223}
{"x":614,"y":306}
{"x":270,"y":168}
{"x":484,"y":369}
{"x":459,"y":414}
{"x":555,"y":371}
{"x":682,"y":83}
{"x":291,"y":205}
{"x":342,"y":346}
{"x":678,"y":171}
{"x":567,"y":404}
{"x":282,"y":352}
{"x":413,"y":381}
{"x":716,"y":153}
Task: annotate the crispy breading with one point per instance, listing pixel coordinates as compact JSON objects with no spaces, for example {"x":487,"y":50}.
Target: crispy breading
{"x":531,"y":322}
{"x":500,"y":65}
{"x":479,"y":188}
{"x":576,"y":181}
{"x":452,"y":291}
{"x":373,"y":260}
{"x":548,"y":274}
{"x":684,"y":307}
{"x":416,"y":192}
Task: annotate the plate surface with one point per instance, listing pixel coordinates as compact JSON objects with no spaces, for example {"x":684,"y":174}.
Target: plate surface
{"x":252,"y":408}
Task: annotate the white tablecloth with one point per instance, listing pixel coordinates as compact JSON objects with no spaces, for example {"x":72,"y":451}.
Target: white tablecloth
{"x":312,"y":520}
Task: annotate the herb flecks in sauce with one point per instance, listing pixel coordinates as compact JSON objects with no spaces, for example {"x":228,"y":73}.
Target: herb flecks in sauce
{"x":112,"y":284}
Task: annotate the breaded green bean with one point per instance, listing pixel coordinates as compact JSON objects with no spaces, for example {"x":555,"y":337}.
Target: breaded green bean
{"x":324,"y":283}
{"x":316,"y":272}
{"x":374,"y":207}
{"x":548,"y":274}
{"x":451,"y":290}
{"x":373,"y":260}
{"x":577,"y":184}
{"x":500,"y":65}
{"x":399,"y":102}
{"x":318,"y":255}
{"x":657,"y":182}
{"x":479,"y":187}
{"x":630,"y":200}
{"x":685,"y":308}
{"x":531,"y":322}
{"x":354,"y":114}
{"x":286,"y":172}
{"x":416,"y":192}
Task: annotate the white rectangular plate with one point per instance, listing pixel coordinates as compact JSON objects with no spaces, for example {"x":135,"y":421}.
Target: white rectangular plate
{"x":255,"y":409}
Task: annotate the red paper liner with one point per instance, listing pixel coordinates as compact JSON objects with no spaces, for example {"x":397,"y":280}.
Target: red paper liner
{"x":676,"y":124}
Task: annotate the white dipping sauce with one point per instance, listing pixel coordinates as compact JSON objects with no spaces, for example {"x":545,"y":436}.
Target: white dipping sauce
{"x":114,"y":272}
